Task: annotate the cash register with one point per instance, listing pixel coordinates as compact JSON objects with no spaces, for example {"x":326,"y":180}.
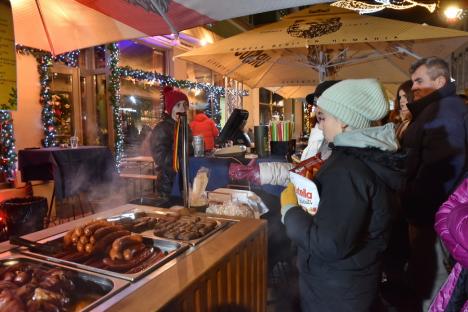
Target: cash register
{"x":233,"y":132}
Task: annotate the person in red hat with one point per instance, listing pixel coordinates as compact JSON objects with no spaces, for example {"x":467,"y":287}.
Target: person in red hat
{"x":204,"y":126}
{"x":162,"y":139}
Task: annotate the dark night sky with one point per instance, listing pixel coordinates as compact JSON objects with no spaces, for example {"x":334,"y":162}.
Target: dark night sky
{"x":420,"y":14}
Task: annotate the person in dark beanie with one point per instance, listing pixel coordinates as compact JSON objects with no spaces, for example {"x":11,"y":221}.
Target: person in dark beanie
{"x":162,"y":139}
{"x":340,"y":247}
{"x":316,"y":143}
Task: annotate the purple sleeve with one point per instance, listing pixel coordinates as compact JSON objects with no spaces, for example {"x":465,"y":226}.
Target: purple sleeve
{"x":452,"y":224}
{"x":440,"y":302}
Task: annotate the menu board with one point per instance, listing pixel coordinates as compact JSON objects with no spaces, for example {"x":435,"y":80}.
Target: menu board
{"x":7,"y":58}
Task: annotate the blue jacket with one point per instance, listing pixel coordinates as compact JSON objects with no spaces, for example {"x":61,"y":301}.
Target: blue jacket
{"x":436,"y":145}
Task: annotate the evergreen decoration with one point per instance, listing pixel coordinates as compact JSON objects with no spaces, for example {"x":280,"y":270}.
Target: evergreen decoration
{"x":45,"y":61}
{"x":164,"y":80}
{"x":114,"y":91}
{"x":7,"y":141}
{"x":12,"y":102}
{"x":214,"y":110}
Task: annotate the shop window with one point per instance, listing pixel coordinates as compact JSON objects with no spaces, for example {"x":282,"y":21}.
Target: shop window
{"x":62,"y":102}
{"x":141,"y":108}
{"x":100,"y":57}
{"x":101,"y":110}
{"x":84,"y":110}
{"x":199,"y":73}
{"x":271,"y":106}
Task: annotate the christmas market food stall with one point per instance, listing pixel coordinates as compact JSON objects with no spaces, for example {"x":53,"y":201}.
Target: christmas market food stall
{"x":221,"y":264}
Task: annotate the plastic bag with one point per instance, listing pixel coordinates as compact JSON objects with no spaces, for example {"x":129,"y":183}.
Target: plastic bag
{"x":231,"y":208}
{"x":240,"y":203}
{"x":200,"y":182}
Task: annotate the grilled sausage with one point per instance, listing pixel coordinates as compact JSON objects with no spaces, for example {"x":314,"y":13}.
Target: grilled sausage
{"x":156,"y":256}
{"x":67,"y":239}
{"x":79,"y":231}
{"x":115,"y":254}
{"x":130,"y":252}
{"x":125,"y":241}
{"x":101,"y":232}
{"x":83,"y":239}
{"x":89,"y":248}
{"x":75,"y":238}
{"x":80,"y":247}
{"x":93,"y":226}
{"x":103,"y":245}
{"x":122,"y":265}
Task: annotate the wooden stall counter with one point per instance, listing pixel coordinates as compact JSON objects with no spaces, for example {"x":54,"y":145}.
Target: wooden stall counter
{"x":227,"y":270}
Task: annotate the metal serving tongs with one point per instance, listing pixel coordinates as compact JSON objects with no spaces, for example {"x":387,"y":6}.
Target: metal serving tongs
{"x":34,"y":246}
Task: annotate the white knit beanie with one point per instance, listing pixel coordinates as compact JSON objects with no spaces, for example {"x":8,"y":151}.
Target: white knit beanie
{"x":356,"y":102}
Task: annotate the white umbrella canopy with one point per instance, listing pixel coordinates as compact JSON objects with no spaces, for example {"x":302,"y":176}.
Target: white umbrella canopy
{"x":300,"y":92}
{"x":63,"y":25}
{"x":324,"y":42}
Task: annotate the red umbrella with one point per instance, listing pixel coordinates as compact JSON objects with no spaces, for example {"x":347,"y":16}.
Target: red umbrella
{"x":64,"y":25}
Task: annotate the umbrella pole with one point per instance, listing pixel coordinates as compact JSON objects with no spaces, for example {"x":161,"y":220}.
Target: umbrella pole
{"x":322,"y":72}
{"x":185,"y":162}
{"x":162,"y":11}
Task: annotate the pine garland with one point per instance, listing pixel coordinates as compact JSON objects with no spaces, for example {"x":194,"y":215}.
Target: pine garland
{"x":7,"y":140}
{"x":214,"y":110}
{"x":114,"y":91}
{"x":45,"y":62}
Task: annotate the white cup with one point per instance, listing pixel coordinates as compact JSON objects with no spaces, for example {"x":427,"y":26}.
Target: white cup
{"x":74,"y":142}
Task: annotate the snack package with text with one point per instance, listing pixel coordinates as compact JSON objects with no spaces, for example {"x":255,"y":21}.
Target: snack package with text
{"x":306,"y":190}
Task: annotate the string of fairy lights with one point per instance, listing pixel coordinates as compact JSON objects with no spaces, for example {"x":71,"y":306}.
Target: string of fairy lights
{"x":7,"y":140}
{"x":45,"y":62}
{"x":366,"y":8}
{"x":114,"y":91}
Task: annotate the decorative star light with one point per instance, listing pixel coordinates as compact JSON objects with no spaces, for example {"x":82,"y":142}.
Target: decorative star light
{"x":365,"y":8}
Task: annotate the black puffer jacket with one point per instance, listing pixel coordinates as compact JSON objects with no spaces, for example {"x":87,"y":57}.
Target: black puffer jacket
{"x":340,"y":248}
{"x":436,"y":143}
{"x":162,"y":147}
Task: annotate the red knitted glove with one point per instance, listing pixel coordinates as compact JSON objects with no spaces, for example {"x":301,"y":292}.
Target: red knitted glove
{"x":249,"y":172}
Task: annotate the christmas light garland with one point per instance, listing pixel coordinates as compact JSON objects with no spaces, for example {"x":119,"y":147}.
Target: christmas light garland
{"x":114,"y":91}
{"x":7,"y":141}
{"x":364,"y":8}
{"x":214,"y":110}
{"x":165,"y":80}
{"x":45,"y":61}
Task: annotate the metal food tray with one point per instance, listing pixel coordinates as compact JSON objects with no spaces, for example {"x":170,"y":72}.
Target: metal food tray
{"x":173,"y":249}
{"x":222,"y":223}
{"x":110,"y":285}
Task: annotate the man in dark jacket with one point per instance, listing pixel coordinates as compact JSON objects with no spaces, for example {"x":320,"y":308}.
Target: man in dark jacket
{"x":436,"y":145}
{"x":162,"y":139}
{"x":340,"y":247}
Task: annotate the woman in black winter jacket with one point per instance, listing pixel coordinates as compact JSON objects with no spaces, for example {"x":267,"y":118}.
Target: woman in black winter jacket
{"x":340,"y":248}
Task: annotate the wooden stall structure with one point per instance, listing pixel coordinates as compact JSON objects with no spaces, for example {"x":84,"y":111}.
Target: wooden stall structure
{"x":226,"y":271}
